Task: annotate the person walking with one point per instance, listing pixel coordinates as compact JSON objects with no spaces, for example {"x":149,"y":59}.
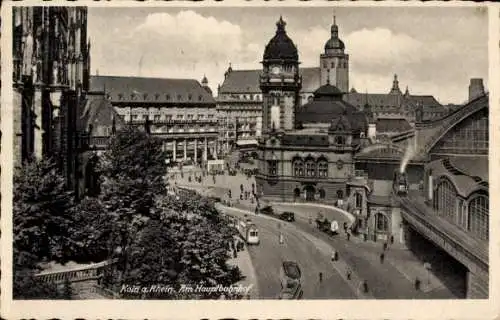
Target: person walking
{"x":321,"y":277}
{"x":282,"y":238}
{"x":334,"y":255}
{"x":382,"y":257}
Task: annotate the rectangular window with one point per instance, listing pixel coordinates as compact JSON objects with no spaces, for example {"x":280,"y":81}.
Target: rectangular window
{"x":157,"y":117}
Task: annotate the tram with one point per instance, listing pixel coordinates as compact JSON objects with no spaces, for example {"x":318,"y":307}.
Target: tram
{"x":248,"y":231}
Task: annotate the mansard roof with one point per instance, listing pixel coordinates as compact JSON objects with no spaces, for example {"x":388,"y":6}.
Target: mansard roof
{"x":151,"y":90}
{"x":247,"y":81}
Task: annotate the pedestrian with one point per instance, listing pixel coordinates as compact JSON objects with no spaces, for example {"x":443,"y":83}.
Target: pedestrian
{"x":417,"y":284}
{"x":365,"y":286}
{"x":392,"y":239}
{"x":348,"y":274}
{"x":348,"y":236}
{"x":334,"y":255}
{"x":321,"y":277}
{"x":385,"y":246}
{"x":282,"y":239}
{"x":382,"y":257}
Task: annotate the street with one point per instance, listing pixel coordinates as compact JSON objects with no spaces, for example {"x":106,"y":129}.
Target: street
{"x":390,"y":280}
{"x":269,"y":254}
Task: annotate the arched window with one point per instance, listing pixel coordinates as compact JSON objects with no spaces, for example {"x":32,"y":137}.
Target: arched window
{"x":273,"y":167}
{"x":382,"y":222}
{"x":478,"y":217}
{"x":322,"y":193}
{"x":310,"y":168}
{"x":340,"y":194}
{"x":298,"y":167}
{"x":445,"y":200}
{"x":323,"y":168}
{"x":358,"y":199}
{"x":340,"y":140}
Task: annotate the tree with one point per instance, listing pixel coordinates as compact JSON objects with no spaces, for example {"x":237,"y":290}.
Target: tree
{"x":187,"y":245}
{"x":91,"y":231}
{"x":133,"y":173}
{"x":41,"y":227}
{"x":42,"y":212}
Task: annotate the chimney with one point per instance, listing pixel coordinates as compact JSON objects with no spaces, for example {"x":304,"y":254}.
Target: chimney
{"x":476,"y":88}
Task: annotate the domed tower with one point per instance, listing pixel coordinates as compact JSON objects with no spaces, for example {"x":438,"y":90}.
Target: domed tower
{"x":204,"y":84}
{"x":280,"y":82}
{"x":334,"y":63}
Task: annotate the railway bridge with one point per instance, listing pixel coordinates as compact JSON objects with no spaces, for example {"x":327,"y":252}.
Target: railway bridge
{"x":469,"y":251}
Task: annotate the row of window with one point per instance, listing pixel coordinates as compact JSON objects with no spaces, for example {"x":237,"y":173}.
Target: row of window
{"x":250,"y":97}
{"x":156,"y":96}
{"x":239,"y":119}
{"x":340,"y":64}
{"x":310,"y":168}
{"x":168,"y":117}
{"x":472,"y":216}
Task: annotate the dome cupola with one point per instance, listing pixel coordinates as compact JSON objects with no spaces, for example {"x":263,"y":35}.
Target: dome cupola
{"x":334,"y":43}
{"x":281,"y":47}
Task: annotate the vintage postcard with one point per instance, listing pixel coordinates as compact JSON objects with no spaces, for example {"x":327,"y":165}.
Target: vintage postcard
{"x":263,"y":160}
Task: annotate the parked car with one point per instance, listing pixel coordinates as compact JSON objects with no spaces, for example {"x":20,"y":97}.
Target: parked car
{"x":287,"y":216}
{"x":267,"y":210}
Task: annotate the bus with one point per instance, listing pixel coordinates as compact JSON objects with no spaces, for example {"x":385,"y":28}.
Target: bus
{"x":248,"y":231}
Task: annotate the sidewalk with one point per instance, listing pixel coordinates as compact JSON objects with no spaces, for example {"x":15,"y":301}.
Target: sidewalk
{"x":244,"y":262}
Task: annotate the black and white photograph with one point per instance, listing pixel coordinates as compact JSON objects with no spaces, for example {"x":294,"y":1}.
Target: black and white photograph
{"x":249,"y":153}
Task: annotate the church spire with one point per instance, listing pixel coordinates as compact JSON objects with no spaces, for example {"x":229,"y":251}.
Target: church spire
{"x":280,"y":25}
{"x":395,"y":86}
{"x":335,"y":28}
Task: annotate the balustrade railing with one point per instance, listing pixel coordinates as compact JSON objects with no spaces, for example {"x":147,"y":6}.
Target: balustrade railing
{"x":90,"y":272}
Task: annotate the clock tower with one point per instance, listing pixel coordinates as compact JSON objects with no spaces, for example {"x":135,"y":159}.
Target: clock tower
{"x":280,"y":83}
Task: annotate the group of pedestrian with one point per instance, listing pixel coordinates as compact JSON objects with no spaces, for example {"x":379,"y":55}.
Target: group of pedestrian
{"x":385,"y":247}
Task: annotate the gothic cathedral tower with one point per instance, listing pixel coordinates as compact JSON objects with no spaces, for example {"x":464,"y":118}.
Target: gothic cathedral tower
{"x":334,"y":63}
{"x":280,"y":82}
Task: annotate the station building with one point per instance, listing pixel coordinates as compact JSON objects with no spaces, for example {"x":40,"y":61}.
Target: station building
{"x":239,"y":98}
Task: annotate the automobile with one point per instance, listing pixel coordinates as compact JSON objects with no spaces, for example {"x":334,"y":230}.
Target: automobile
{"x":287,"y":216}
{"x":290,"y":275}
{"x":267,"y":210}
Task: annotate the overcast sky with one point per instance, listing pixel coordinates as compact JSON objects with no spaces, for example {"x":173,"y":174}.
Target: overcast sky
{"x":433,"y":50}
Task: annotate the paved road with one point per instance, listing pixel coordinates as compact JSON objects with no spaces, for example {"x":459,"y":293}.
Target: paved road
{"x":385,"y":280}
{"x":269,"y":254}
